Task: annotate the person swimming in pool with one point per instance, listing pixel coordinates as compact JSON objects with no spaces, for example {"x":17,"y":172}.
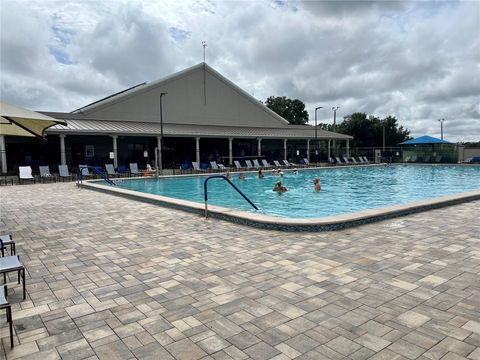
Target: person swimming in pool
{"x":260,"y":174}
{"x":316,"y":184}
{"x":279,"y":188}
{"x":241,"y":176}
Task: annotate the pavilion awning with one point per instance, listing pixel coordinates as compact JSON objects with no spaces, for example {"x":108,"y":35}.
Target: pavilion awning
{"x":425,"y":140}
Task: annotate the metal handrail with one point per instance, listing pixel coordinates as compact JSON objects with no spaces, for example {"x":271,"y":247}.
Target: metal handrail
{"x":96,"y":170}
{"x":205,"y":191}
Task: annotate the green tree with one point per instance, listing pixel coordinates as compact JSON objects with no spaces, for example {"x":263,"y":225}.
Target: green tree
{"x":291,"y":110}
{"x":367,"y":131}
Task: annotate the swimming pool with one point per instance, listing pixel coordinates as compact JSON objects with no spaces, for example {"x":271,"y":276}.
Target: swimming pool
{"x":344,"y":190}
{"x":350,"y":196}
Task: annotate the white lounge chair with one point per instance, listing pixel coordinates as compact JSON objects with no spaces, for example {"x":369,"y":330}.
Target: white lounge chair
{"x":346,"y":160}
{"x":215,"y":166}
{"x":249,"y":164}
{"x":64,"y":173}
{"x":331,"y":161}
{"x":366,"y":160}
{"x":45,"y":173}
{"x":339,"y":161}
{"x":307,"y":163}
{"x":110,"y":170}
{"x":277,"y":164}
{"x":237,"y":164}
{"x":85,"y":171}
{"x":134,"y":169}
{"x":196,"y":166}
{"x":287,"y":164}
{"x":265,"y":164}
{"x":354,"y":160}
{"x":256,"y":164}
{"x":25,"y":173}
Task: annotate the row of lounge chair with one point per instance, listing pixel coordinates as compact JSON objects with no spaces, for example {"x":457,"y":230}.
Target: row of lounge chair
{"x":360,"y":160}
{"x":25,"y":172}
{"x":249,"y":165}
{"x":9,"y":263}
{"x":426,"y":159}
{"x":256,"y":164}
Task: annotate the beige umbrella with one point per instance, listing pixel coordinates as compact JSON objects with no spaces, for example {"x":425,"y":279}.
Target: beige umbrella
{"x":17,"y":121}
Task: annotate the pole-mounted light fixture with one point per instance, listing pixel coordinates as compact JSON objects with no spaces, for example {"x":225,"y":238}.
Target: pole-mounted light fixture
{"x":441,"y":127}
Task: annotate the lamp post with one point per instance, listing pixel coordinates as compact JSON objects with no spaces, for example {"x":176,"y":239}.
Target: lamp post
{"x":383,"y":135}
{"x":334,"y":109}
{"x":441,"y":127}
{"x":160,"y":161}
{"x":316,"y":142}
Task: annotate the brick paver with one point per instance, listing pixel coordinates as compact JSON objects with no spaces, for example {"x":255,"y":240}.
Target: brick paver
{"x":111,"y":278}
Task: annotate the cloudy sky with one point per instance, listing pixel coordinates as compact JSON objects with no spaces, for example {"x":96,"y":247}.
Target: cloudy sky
{"x":419,"y":61}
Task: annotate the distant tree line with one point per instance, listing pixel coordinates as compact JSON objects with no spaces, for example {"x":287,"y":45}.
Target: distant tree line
{"x":367,"y":130}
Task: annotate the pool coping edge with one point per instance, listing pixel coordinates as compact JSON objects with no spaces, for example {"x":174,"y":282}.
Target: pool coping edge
{"x":335,"y":222}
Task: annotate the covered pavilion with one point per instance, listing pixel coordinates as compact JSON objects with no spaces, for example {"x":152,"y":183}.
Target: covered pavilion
{"x":204,"y":116}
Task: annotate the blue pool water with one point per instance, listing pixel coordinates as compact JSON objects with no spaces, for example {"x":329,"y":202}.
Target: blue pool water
{"x":344,"y":190}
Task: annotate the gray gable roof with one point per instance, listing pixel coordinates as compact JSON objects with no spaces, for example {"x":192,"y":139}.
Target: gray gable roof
{"x":198,"y":95}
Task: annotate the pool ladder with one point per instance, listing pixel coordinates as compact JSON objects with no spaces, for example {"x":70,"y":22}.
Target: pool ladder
{"x":97,"y":170}
{"x":205,"y":191}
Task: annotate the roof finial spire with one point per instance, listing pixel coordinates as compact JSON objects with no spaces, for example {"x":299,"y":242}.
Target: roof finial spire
{"x":204,"y":44}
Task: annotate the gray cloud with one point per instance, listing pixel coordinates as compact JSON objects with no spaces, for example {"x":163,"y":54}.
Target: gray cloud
{"x":418,"y":61}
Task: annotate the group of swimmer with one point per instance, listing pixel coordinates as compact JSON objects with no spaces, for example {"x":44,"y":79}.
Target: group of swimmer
{"x":279,"y":188}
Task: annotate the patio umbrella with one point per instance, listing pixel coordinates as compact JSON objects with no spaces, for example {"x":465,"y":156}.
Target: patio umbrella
{"x":17,"y":121}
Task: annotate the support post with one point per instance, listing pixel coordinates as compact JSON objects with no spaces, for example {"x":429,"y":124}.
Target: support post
{"x":285,"y":149}
{"x":308,"y":150}
{"x":329,"y":150}
{"x":63,"y":155}
{"x":158,"y":156}
{"x":230,"y":151}
{"x":259,"y":146}
{"x":348,"y":148}
{"x":3,"y":153}
{"x":115,"y":151}
{"x":197,"y":150}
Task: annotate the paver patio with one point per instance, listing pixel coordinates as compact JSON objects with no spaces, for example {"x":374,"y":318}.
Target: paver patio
{"x":111,"y":278}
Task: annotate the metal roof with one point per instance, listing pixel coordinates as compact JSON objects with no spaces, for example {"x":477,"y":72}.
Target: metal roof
{"x":103,"y":127}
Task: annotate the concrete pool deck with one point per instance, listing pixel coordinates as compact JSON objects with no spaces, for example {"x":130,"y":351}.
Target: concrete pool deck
{"x":111,"y":278}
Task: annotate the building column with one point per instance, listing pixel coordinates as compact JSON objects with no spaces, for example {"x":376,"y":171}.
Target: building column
{"x":308,"y":150}
{"x":230,"y":151}
{"x":197,"y":150}
{"x":285,"y":149}
{"x":157,"y":155}
{"x":348,"y":148}
{"x":329,"y":154}
{"x":115,"y":152}
{"x":259,"y":145}
{"x":3,"y":152}
{"x":63,"y":155}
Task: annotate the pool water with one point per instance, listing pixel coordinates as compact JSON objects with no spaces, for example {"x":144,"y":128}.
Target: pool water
{"x":344,"y":190}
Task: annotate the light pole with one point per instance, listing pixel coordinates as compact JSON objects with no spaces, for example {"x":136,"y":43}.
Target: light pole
{"x":316,"y":142}
{"x":441,"y":127}
{"x":383,"y":135}
{"x":160,"y":161}
{"x":334,"y":109}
